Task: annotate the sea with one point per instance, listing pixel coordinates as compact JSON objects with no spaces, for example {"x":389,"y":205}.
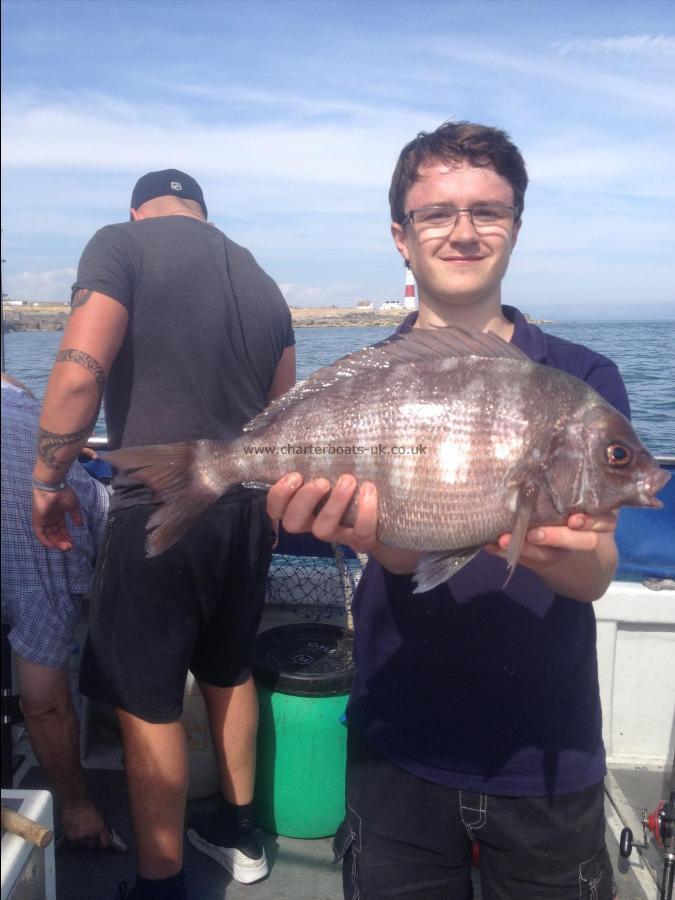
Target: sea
{"x":643,"y":351}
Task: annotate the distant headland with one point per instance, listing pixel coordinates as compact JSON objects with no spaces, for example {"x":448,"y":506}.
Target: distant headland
{"x":34,"y":316}
{"x":358,"y":317}
{"x":53,"y":316}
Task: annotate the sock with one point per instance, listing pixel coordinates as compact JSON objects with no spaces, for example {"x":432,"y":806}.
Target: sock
{"x":171,"y":888}
{"x":236,"y":820}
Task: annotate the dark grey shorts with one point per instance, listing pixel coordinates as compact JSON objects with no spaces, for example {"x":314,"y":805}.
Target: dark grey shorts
{"x":197,"y":606}
{"x":410,"y":839}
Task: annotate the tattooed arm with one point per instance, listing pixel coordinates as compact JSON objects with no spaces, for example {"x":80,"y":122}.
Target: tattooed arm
{"x":91,"y":340}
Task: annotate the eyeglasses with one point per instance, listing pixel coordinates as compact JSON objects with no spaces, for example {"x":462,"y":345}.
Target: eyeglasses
{"x":444,"y":218}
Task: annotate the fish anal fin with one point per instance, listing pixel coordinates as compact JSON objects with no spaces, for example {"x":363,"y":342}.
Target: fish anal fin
{"x":435,"y":568}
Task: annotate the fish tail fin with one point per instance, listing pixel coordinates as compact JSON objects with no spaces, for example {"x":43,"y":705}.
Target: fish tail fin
{"x":182,"y":480}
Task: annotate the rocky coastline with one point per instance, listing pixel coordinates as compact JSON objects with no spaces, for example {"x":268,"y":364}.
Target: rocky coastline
{"x":53,"y":317}
{"x":33,"y":321}
{"x":345,"y":317}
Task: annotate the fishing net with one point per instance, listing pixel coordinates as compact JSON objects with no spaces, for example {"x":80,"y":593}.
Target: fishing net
{"x":312,"y":579}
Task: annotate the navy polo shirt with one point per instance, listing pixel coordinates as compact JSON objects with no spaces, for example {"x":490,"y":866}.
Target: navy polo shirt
{"x":476,"y":686}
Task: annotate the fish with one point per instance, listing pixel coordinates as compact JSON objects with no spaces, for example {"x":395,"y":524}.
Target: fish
{"x":464,"y":436}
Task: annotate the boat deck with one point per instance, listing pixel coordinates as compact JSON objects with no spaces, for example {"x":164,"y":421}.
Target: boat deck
{"x":303,"y":869}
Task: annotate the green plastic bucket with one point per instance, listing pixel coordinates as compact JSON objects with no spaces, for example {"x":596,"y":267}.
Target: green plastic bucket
{"x":304,"y":674}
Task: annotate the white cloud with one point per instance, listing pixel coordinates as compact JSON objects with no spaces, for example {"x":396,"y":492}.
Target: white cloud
{"x":331,"y":295}
{"x":280,"y":158}
{"x":110,"y":138}
{"x":54,"y":285}
{"x":587,"y":80}
{"x":632,"y":45}
{"x":284,"y":104}
{"x":573,"y":162}
{"x":295,"y":156}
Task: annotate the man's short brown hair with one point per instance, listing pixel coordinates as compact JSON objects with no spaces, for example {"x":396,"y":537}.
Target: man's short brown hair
{"x":479,"y":145}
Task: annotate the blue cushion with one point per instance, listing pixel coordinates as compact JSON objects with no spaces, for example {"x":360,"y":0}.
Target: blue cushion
{"x":99,"y":468}
{"x":646,"y":538}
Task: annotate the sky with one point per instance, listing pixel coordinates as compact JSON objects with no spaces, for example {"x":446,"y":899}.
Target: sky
{"x":291,"y":115}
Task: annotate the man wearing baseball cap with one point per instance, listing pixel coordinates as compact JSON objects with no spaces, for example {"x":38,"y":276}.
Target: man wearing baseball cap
{"x":166,"y":184}
{"x":185,"y":337}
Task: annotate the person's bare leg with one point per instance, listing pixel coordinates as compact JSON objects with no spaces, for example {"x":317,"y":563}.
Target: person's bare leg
{"x":54,"y":734}
{"x":156,"y":766}
{"x":233,"y":716}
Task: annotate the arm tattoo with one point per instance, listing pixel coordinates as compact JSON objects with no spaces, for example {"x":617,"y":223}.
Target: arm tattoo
{"x":80,"y":297}
{"x":49,"y":443}
{"x":88,"y":362}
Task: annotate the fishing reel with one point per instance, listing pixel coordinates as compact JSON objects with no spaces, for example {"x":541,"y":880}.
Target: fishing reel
{"x":661,"y":823}
{"x":651,"y":821}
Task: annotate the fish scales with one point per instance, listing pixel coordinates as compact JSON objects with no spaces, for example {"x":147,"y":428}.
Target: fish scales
{"x":463,"y":416}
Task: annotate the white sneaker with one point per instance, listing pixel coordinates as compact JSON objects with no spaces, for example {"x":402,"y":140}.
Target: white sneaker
{"x":245,"y":860}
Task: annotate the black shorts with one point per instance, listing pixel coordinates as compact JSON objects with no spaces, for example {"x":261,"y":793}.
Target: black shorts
{"x":197,"y":606}
{"x":407,"y":838}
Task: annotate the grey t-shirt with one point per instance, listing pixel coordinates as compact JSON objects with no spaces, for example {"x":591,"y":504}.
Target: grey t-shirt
{"x":206,"y":330}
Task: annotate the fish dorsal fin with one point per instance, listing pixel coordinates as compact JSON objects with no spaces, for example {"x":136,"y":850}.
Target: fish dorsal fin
{"x":449,"y":341}
{"x":414,"y":346}
{"x":367,"y":359}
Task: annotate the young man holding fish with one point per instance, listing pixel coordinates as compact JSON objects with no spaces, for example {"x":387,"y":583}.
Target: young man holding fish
{"x":484,"y":685}
{"x":475,"y":712}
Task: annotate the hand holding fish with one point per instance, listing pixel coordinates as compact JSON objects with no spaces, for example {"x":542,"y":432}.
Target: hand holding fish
{"x":548,"y":550}
{"x":295,"y":504}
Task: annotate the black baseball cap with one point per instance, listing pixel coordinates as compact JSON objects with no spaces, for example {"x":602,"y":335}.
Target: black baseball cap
{"x":167,"y":183}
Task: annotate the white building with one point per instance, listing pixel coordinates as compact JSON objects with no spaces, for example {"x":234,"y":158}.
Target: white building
{"x":391,"y":304}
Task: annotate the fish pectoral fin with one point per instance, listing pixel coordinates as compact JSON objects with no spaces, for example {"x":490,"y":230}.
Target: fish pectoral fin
{"x":435,"y":568}
{"x":525,"y":504}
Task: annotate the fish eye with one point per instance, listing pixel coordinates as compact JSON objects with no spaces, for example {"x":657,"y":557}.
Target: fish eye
{"x":618,"y":455}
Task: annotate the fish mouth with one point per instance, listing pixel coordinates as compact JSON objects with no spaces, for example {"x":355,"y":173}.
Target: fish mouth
{"x":651,"y":485}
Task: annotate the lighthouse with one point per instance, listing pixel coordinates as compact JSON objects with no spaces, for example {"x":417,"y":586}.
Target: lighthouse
{"x":409,"y":300}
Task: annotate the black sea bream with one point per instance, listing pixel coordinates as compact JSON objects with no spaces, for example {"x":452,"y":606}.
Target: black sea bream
{"x":465,"y":438}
